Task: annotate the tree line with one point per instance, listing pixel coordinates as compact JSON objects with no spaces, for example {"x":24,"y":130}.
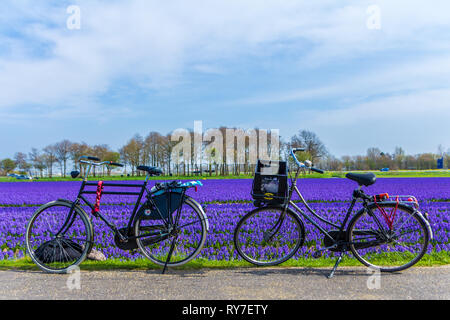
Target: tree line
{"x":155,"y":149}
{"x":375,"y":159}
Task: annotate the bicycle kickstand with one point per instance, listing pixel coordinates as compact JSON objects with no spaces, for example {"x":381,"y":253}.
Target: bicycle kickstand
{"x":169,"y":255}
{"x":335,"y":266}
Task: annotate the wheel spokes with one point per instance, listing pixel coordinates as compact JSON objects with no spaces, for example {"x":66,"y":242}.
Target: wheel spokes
{"x":394,"y":249}
{"x":188,"y":235}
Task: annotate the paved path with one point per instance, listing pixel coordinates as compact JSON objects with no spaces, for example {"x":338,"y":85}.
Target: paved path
{"x":240,"y":283}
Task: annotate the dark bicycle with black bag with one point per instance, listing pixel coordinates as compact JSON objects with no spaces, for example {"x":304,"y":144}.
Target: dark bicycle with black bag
{"x":166,"y":225}
{"x":388,"y":234}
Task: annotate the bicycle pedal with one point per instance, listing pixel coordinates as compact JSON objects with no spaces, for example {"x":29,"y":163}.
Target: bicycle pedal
{"x":317,"y":254}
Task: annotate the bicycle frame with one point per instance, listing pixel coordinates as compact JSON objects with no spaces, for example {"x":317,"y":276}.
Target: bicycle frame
{"x":143,"y":187}
{"x":293,"y":187}
{"x":335,"y":241}
{"x":123,"y":238}
{"x":82,"y":192}
{"x":357,"y":194}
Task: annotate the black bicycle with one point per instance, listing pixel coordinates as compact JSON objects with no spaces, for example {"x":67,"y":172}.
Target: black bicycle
{"x":169,"y":227}
{"x":388,"y":233}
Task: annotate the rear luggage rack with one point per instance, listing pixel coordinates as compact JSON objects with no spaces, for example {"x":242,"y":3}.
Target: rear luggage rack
{"x":403,"y":199}
{"x":397,"y":199}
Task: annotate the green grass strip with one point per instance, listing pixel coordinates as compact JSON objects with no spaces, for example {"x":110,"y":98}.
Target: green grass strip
{"x":328,"y":174}
{"x":429,"y":260}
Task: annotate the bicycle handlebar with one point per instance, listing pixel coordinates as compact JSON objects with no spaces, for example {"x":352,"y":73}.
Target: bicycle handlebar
{"x":295,"y":158}
{"x":111,"y":163}
{"x":317,"y":170}
{"x":301,"y":164}
{"x":90,"y":158}
{"x":114,"y":164}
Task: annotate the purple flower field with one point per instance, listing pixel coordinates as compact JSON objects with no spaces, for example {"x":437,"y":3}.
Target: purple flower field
{"x":232,"y":190}
{"x":225,"y":201}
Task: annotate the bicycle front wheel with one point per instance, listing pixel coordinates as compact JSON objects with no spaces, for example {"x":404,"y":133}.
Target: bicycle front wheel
{"x":388,"y":244}
{"x":59,"y":237}
{"x":187,"y":237}
{"x":267,"y":236}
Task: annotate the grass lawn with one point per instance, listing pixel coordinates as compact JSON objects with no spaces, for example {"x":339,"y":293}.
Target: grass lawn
{"x":429,"y":260}
{"x":328,"y":174}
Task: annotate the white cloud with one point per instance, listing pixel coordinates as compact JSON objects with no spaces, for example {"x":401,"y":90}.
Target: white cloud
{"x":152,"y":42}
{"x":418,"y":120}
{"x":415,"y":74}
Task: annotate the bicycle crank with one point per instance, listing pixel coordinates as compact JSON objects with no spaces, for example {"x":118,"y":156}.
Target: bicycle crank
{"x":319,"y":253}
{"x":127,"y":244}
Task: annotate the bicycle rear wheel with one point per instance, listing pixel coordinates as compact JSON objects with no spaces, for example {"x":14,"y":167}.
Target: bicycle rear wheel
{"x":58,"y":238}
{"x":375,"y":244}
{"x":267,"y":236}
{"x":188,"y":236}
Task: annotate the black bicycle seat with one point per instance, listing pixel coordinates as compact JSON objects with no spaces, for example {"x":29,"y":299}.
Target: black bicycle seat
{"x":365,"y":179}
{"x":151,"y":170}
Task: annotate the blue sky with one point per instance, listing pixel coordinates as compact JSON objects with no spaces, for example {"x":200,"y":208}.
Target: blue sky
{"x":138,"y":66}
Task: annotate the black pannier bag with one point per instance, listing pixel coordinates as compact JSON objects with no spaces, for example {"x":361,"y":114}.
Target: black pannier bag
{"x":270,"y":184}
{"x":168,"y":200}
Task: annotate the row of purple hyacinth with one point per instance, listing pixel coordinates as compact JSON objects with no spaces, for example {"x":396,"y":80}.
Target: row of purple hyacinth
{"x":223,"y":218}
{"x":231,"y":190}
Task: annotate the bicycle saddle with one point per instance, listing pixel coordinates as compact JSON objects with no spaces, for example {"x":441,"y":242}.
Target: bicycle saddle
{"x":365,"y":179}
{"x":151,"y":170}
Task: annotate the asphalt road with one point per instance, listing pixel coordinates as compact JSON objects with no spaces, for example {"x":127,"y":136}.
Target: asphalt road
{"x":235,"y":284}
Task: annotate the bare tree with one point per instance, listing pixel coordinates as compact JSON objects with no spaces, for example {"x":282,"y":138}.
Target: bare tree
{"x":399,"y":156}
{"x":100,"y":151}
{"x":7,"y":165}
{"x":426,"y":161}
{"x":374,"y":158}
{"x":152,"y":149}
{"x":311,"y":142}
{"x":50,"y":159}
{"x":131,"y":152}
{"x":347,"y":162}
{"x":111,"y":156}
{"x":62,"y":152}
{"x":166,"y":152}
{"x":76,"y":151}
{"x":22,"y":162}
{"x":37,"y":161}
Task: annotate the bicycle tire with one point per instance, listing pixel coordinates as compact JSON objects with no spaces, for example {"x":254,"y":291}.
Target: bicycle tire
{"x":33,"y":227}
{"x":363,"y":253}
{"x":242,"y":231}
{"x":158,"y":250}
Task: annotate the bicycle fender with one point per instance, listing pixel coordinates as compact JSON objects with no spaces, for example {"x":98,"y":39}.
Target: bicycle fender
{"x":76,"y":206}
{"x":427,"y":223}
{"x":65,"y":200}
{"x":81,"y":211}
{"x":199,"y":207}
